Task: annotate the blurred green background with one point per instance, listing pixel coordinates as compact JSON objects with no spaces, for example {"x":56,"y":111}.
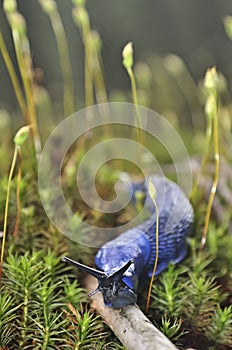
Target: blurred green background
{"x":189,"y":28}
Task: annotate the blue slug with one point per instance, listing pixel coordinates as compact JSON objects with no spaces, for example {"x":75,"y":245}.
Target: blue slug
{"x":121,"y":262}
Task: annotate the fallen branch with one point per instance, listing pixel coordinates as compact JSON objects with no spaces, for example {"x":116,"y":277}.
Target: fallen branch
{"x":129,"y":324}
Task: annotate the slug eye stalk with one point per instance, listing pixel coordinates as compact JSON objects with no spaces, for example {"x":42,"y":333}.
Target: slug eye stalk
{"x":96,"y":273}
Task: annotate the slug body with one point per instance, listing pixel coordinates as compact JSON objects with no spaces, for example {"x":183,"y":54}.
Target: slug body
{"x":122,"y":261}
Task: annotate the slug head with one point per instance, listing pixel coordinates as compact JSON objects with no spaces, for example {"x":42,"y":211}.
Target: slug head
{"x":115,"y":291}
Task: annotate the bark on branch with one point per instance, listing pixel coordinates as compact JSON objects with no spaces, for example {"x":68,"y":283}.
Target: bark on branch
{"x":129,"y":324}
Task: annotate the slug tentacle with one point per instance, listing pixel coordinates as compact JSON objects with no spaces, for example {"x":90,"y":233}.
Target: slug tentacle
{"x":90,"y":270}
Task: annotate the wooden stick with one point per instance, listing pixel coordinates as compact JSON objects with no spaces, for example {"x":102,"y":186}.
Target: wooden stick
{"x":129,"y":324}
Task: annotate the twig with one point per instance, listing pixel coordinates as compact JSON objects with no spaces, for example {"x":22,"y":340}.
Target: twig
{"x":129,"y":324}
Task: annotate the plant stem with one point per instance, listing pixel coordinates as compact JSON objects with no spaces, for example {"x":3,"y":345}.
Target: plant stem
{"x":216,"y":174}
{"x":18,"y":193}
{"x":13,"y":77}
{"x":47,"y":328}
{"x":22,"y":50}
{"x":100,"y":88}
{"x":25,"y":318}
{"x":98,"y":78}
{"x":69,"y":106}
{"x":97,"y":68}
{"x":89,"y":99}
{"x":204,"y":160}
{"x":64,"y":57}
{"x":81,"y":19}
{"x":135,"y":101}
{"x":24,"y":63}
{"x":156,"y":253}
{"x":7,"y":206}
{"x":46,"y":338}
